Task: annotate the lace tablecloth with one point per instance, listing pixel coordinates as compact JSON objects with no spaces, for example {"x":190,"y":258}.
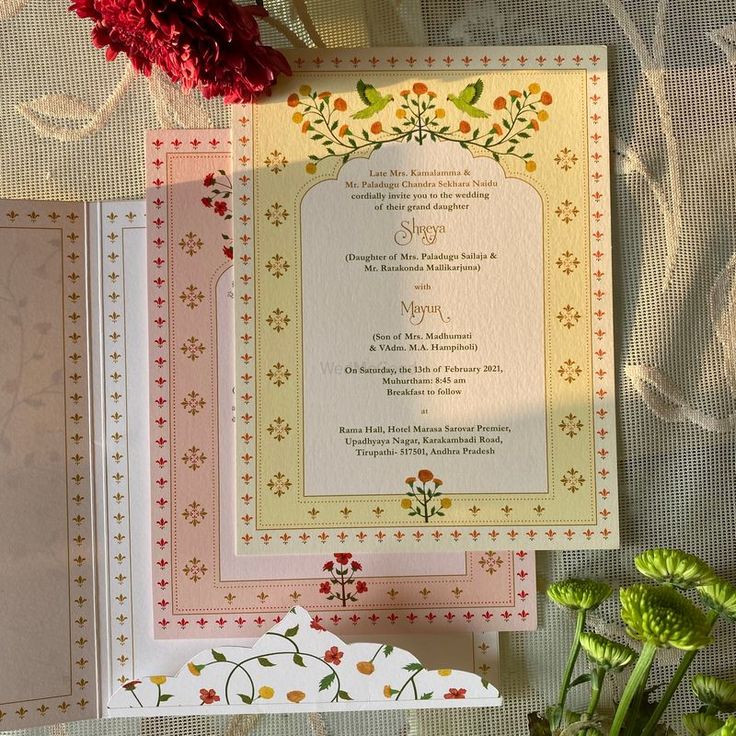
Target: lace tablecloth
{"x":72,"y":129}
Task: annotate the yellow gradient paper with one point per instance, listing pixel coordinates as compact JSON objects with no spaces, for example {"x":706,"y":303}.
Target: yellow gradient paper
{"x":424,"y":303}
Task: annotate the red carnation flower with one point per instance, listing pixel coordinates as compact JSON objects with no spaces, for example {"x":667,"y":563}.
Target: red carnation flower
{"x":361,"y":587}
{"x":325,"y":588}
{"x":328,"y":565}
{"x":342,"y":557}
{"x":355,"y":565}
{"x":316,"y":625}
{"x":228,"y":251}
{"x":211,"y":44}
{"x":207,"y":201}
{"x":220,"y":207}
{"x":209,"y":180}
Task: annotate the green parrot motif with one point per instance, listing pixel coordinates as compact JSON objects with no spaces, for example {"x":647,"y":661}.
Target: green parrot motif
{"x":373,"y":99}
{"x":465,"y":101}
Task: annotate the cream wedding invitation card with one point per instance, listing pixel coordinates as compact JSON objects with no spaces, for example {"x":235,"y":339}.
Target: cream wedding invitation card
{"x":423,"y":303}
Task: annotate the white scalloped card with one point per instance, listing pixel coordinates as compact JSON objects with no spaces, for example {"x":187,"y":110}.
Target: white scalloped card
{"x":298,"y":666}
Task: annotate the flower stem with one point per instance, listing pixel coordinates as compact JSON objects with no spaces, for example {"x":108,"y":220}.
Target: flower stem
{"x":595,"y":691}
{"x":682,"y":668}
{"x":636,"y":682}
{"x":571,"y":660}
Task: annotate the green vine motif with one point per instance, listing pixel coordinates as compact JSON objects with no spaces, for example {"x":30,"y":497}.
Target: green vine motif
{"x":423,"y":497}
{"x":395,"y":694}
{"x":324,"y":118}
{"x":264,"y":660}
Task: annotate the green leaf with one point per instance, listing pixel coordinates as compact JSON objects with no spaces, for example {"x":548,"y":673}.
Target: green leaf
{"x":343,"y":695}
{"x":218,"y":657}
{"x":299,"y":661}
{"x":221,"y":172}
{"x":506,"y":124}
{"x":165,"y":697}
{"x":426,"y":696}
{"x":326,"y":681}
{"x":246,"y":699}
{"x":413,"y":667}
{"x":581,"y":679}
{"x":388,"y":650}
{"x":317,"y":136}
{"x":523,"y":134}
{"x":265,"y":662}
{"x":292,"y":631}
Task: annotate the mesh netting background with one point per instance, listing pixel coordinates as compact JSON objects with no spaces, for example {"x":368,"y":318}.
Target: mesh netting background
{"x":673,"y":86}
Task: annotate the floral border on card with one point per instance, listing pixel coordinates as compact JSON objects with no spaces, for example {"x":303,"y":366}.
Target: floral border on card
{"x":115,"y":219}
{"x":69,"y":220}
{"x":509,"y":535}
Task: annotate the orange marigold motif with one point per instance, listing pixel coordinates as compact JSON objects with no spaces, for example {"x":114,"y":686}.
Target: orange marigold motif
{"x":514,"y":93}
{"x":342,"y":132}
{"x":546,"y":98}
{"x":499,"y":103}
{"x":419,"y":88}
{"x":376,"y":128}
{"x":365,"y":668}
{"x":340,"y":105}
{"x":464,"y":126}
{"x":292,"y":100}
{"x":425,"y":475}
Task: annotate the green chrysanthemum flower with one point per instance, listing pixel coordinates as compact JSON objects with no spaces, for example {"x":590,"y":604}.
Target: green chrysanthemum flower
{"x":606,"y":653}
{"x":720,"y":597}
{"x":700,"y":724}
{"x":662,"y":617}
{"x":675,"y":567}
{"x":729,"y":727}
{"x":579,"y":595}
{"x":716,"y":692}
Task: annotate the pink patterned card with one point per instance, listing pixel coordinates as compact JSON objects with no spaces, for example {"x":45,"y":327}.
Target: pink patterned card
{"x":201,"y":586}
